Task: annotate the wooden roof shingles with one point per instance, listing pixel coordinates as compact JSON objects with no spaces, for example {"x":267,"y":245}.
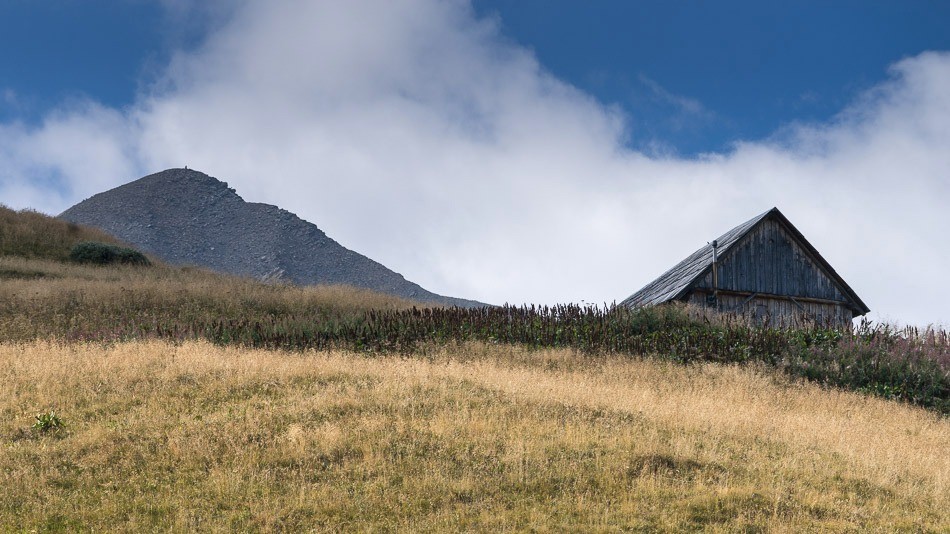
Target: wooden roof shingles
{"x":672,"y":284}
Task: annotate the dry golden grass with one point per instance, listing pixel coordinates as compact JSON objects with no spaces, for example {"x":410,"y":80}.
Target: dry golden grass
{"x":198,"y":437}
{"x":32,"y":234}
{"x":45,"y":282}
{"x":43,"y":298}
{"x":34,"y":248}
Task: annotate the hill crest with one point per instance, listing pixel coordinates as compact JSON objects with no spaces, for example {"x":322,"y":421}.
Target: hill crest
{"x":188,"y":217}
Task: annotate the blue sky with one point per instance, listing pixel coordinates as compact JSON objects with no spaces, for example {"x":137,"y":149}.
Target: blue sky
{"x":108,"y":50}
{"x":501,"y":150}
{"x":51,"y":51}
{"x":698,"y":76}
{"x":693,"y":77}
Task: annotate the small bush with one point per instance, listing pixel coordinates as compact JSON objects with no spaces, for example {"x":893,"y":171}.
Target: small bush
{"x":106,"y":254}
{"x":48,"y":422}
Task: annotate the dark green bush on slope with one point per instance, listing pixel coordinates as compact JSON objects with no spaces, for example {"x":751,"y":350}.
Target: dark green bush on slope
{"x":106,"y":254}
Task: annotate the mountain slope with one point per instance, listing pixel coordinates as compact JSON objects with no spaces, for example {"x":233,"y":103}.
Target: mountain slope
{"x":187,"y":217}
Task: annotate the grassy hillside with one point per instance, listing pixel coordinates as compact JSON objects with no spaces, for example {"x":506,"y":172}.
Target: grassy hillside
{"x":56,"y":300}
{"x":116,"y":413}
{"x":30,"y":234}
{"x":198,"y":437}
{"x":43,"y":294}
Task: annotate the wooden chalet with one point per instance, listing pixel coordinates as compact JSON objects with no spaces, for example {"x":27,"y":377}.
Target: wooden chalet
{"x":764,"y":269}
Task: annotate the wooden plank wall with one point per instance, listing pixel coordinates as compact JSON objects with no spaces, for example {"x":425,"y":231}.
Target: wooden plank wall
{"x":768,"y":260}
{"x":779,"y":312}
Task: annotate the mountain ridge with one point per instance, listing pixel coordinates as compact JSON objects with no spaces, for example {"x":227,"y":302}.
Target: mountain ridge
{"x":185,"y":216}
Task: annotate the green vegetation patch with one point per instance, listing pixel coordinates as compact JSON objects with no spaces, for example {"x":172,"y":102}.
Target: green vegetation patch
{"x":105,"y":254}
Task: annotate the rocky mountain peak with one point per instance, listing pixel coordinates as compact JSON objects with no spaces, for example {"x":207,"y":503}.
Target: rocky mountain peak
{"x":188,"y":217}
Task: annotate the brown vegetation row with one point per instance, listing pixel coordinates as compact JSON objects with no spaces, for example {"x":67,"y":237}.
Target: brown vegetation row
{"x":44,"y":299}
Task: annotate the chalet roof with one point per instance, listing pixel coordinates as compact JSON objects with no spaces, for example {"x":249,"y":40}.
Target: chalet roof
{"x":675,"y":283}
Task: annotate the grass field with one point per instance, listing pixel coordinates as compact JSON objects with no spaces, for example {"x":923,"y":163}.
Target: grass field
{"x":118,"y":414}
{"x":47,"y":299}
{"x":199,"y":437}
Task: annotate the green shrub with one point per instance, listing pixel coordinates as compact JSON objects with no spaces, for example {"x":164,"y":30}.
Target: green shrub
{"x":106,"y":254}
{"x":48,"y":422}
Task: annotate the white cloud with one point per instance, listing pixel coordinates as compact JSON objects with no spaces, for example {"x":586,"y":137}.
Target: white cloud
{"x":8,"y":98}
{"x":412,"y":132}
{"x":685,"y":104}
{"x":71,"y":155}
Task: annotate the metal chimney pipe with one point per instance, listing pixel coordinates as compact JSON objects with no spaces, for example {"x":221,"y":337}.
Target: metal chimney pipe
{"x":715,"y":271}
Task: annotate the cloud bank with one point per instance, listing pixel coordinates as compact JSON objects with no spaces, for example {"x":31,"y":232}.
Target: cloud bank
{"x":415,"y":133}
